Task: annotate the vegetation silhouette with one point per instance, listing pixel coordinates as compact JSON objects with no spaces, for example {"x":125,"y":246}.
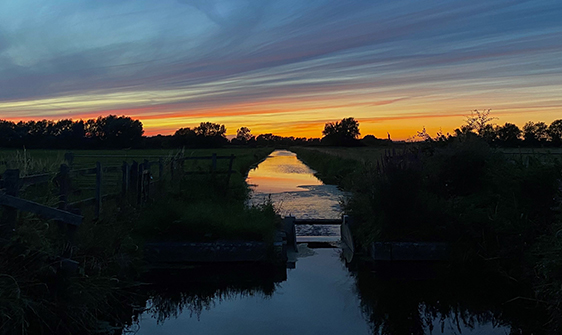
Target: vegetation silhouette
{"x":119,"y":132}
{"x":341,"y":133}
{"x":419,"y":299}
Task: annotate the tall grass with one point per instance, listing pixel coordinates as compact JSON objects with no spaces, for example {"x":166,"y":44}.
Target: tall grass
{"x":331,"y":168}
{"x":204,"y":208}
{"x":495,"y":209}
{"x":28,"y":163}
{"x":37,"y":296}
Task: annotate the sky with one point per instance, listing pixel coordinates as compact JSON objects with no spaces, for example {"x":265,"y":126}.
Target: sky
{"x":282,"y":66}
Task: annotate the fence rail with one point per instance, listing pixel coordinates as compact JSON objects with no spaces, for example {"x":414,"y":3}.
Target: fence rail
{"x":129,"y":181}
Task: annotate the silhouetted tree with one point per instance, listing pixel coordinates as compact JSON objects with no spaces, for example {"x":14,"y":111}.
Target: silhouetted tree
{"x":115,"y":132}
{"x":555,"y":132}
{"x":7,"y":133}
{"x":344,"y":132}
{"x":464,"y":131}
{"x":210,"y":134}
{"x":480,"y":122}
{"x":243,"y":135}
{"x":209,"y":129}
{"x":184,"y":137}
{"x":535,"y":133}
{"x":371,"y":140}
{"x":509,"y":134}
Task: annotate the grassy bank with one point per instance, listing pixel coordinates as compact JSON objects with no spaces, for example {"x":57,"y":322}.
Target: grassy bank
{"x":202,"y":208}
{"x":337,"y":166}
{"x":38,"y":296}
{"x":501,"y":210}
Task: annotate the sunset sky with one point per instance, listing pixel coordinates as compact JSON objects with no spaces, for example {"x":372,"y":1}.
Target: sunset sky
{"x":282,"y":66}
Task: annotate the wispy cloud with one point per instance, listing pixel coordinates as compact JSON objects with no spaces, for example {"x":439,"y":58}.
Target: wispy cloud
{"x":222,"y":57}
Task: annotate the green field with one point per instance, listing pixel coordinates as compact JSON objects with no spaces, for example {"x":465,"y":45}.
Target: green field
{"x":42,"y":161}
{"x":109,"y":249}
{"x":33,"y":162}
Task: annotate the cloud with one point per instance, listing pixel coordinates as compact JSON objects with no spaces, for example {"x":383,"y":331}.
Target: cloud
{"x":192,"y":55}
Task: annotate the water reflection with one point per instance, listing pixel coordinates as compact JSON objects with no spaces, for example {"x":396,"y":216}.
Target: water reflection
{"x":281,"y":172}
{"x":422,"y":299}
{"x":293,"y":188}
{"x":193,"y":290}
{"x":316,"y":298}
{"x":324,"y":295}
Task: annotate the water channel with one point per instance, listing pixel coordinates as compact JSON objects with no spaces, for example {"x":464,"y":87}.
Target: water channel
{"x":323,"y":294}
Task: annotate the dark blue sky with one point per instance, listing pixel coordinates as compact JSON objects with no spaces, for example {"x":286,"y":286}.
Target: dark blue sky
{"x":281,"y":66}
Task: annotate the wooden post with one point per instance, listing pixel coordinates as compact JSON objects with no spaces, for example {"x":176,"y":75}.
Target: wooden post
{"x":11,"y":180}
{"x":160,"y":168}
{"x":289,"y":228}
{"x":98,"y":189}
{"x":147,"y":165}
{"x":63,"y":179}
{"x":140,"y":182}
{"x":133,"y":176}
{"x":146,"y":180}
{"x":125,"y":179}
{"x":229,"y":170}
{"x":214,"y":163}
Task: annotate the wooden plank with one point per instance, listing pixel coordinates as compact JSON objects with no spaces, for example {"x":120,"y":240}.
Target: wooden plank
{"x":92,"y":199}
{"x":147,"y":156}
{"x":81,"y":172}
{"x":206,"y":172}
{"x":41,"y":210}
{"x":318,"y":221}
{"x":317,"y":239}
{"x":36,"y":179}
{"x":81,"y":202}
{"x":204,"y":157}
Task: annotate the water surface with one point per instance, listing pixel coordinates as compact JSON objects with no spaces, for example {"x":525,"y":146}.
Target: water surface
{"x":293,"y":188}
{"x":324,"y":295}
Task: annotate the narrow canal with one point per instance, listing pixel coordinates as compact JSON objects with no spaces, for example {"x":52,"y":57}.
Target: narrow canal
{"x":323,"y":294}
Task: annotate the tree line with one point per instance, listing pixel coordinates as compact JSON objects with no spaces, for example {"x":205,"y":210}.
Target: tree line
{"x":480,"y":125}
{"x":124,"y":132}
{"x":104,"y":132}
{"x":114,"y":132}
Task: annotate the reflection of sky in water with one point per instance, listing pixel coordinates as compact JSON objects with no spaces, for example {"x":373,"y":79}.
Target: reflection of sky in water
{"x":281,"y":172}
{"x":317,"y":298}
{"x":293,"y":188}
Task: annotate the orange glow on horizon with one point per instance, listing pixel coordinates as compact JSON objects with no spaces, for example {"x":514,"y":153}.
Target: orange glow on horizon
{"x":307,"y":119}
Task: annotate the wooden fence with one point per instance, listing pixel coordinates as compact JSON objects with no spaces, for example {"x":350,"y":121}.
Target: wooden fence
{"x":135,"y":181}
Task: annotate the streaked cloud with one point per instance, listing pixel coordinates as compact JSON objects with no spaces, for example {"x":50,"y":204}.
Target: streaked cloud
{"x":278,"y":65}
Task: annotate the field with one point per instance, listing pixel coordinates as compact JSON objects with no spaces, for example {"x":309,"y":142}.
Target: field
{"x":373,"y":154}
{"x":34,"y":162}
{"x":108,"y":249}
{"x":361,"y":154}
